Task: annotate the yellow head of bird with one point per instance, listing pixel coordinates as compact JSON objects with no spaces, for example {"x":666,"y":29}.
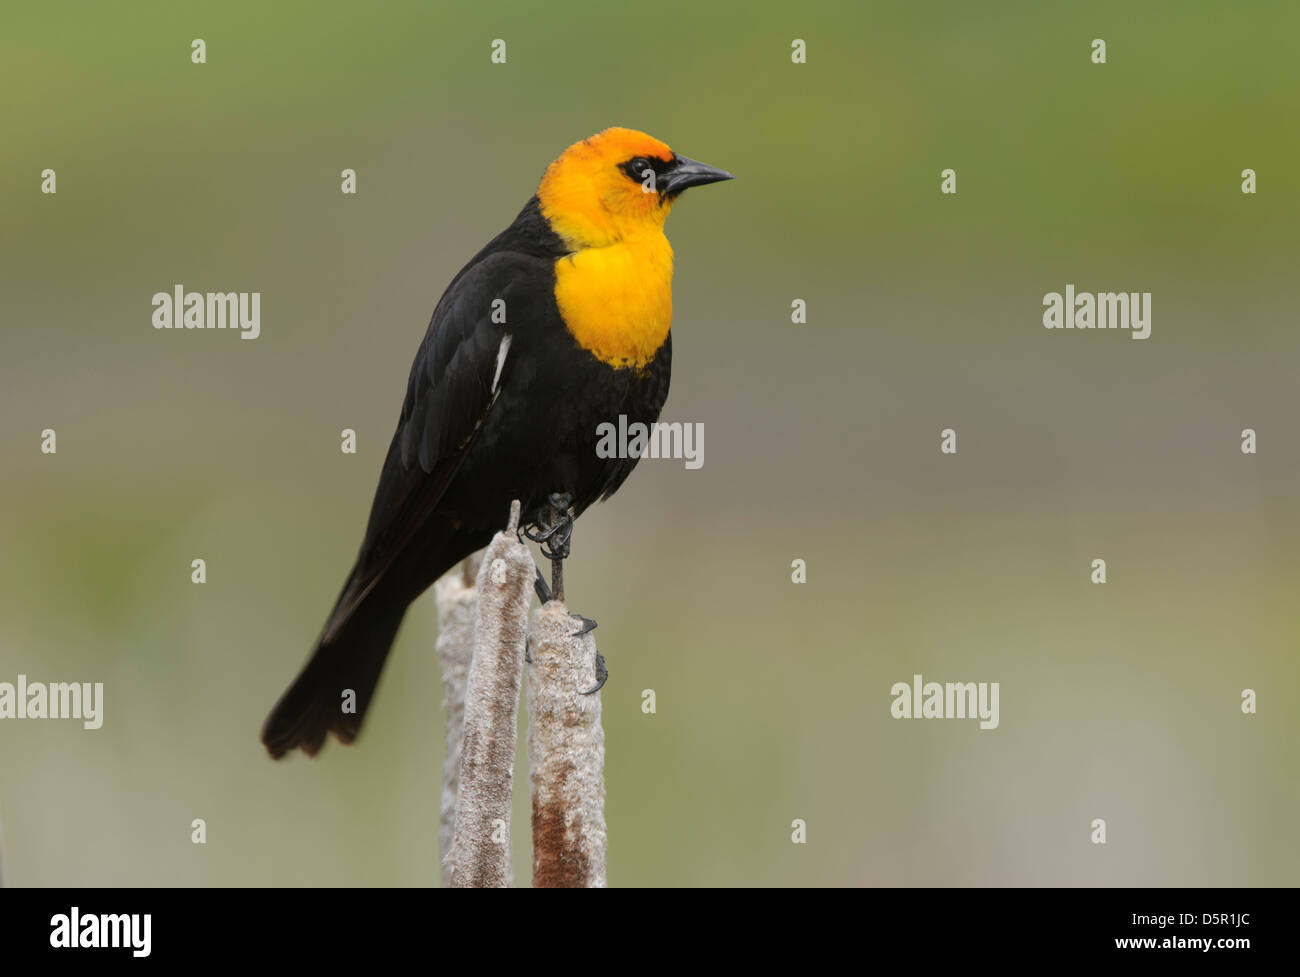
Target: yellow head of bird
{"x":616,"y":185}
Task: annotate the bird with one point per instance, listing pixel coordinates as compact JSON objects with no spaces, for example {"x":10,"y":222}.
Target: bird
{"x":560,"y":324}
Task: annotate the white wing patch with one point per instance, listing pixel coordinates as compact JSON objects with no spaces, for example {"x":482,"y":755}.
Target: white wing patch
{"x":502,"y":350}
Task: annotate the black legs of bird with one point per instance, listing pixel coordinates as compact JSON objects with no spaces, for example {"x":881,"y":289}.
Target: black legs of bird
{"x":602,"y":673}
{"x":556,"y":542}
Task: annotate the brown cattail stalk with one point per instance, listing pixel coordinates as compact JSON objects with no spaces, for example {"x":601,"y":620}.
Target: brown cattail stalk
{"x":480,"y":848}
{"x":457,"y":597}
{"x":566,"y":753}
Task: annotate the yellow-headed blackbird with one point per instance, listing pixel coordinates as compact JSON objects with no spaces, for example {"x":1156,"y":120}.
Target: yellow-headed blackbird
{"x":559,"y":325}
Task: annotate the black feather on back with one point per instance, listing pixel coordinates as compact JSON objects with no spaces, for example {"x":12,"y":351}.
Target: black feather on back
{"x":449,"y":390}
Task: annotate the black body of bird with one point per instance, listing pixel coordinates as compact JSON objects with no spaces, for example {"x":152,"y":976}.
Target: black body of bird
{"x":553,"y":328}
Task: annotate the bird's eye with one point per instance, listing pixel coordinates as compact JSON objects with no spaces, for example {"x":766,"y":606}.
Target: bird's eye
{"x":636,"y":167}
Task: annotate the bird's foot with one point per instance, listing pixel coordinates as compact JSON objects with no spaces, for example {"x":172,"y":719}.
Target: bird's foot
{"x":555,"y":538}
{"x":542,"y":588}
{"x":602,"y":674}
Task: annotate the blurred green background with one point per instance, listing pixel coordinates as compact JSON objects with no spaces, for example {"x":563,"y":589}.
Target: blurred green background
{"x":1118,"y":701}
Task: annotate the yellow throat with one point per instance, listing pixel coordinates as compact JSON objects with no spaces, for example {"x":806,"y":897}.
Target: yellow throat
{"x":615,"y":290}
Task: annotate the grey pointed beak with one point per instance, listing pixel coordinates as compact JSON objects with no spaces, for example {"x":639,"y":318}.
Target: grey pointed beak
{"x":687,"y":172}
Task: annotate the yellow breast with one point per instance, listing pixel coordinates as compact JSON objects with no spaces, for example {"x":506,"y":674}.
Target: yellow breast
{"x":617,"y":300}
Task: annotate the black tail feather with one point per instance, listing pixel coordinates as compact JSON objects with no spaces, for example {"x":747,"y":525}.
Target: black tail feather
{"x":352,"y":659}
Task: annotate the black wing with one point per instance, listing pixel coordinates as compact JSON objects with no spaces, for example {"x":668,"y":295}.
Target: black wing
{"x":458,"y":370}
